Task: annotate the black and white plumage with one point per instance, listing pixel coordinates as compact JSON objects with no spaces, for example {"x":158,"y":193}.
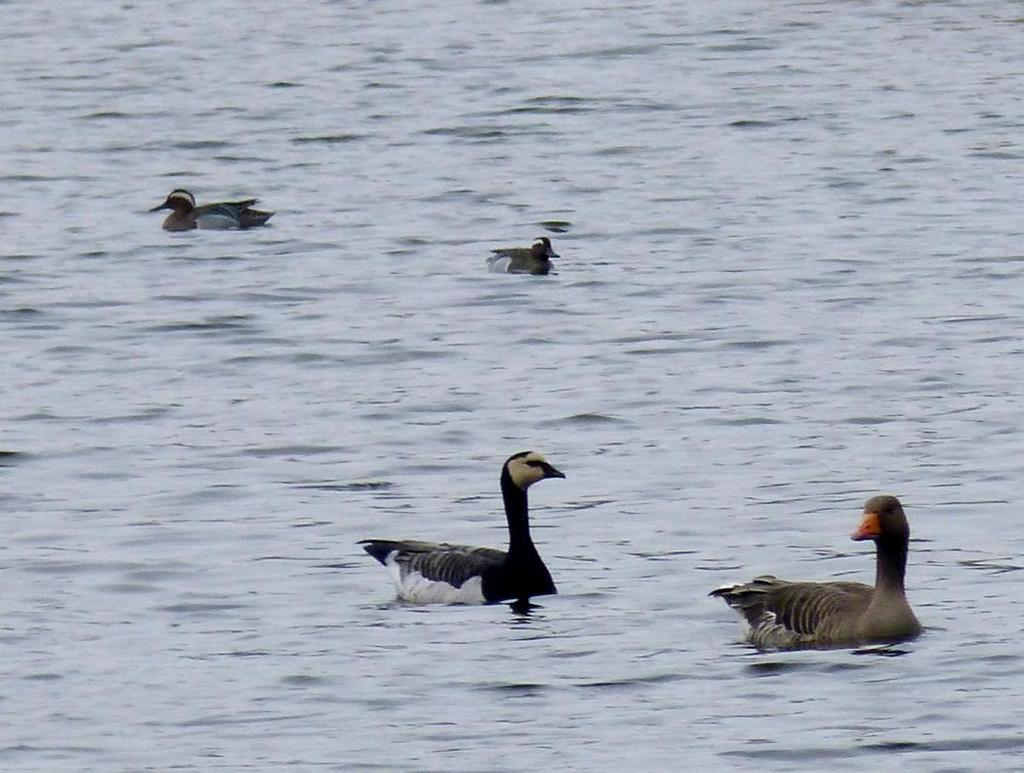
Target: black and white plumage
{"x":441,"y":573}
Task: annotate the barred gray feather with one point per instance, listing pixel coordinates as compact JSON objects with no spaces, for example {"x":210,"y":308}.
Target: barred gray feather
{"x":437,"y":561}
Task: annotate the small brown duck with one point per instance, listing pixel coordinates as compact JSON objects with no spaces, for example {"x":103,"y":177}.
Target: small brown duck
{"x":535,"y":259}
{"x":819,"y":615}
{"x":186,"y":215}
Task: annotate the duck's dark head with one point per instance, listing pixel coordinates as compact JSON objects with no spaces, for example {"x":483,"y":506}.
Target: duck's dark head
{"x":541,"y":248}
{"x":528,"y":467}
{"x":180,"y":200}
{"x":884,"y":521}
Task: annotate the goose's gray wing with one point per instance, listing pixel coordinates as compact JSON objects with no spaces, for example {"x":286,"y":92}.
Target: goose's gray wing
{"x":784,"y":615}
{"x":435,"y":571}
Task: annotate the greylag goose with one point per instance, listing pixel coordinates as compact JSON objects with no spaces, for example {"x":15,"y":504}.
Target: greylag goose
{"x":428,"y":572}
{"x":802,"y":615}
{"x":535,"y":259}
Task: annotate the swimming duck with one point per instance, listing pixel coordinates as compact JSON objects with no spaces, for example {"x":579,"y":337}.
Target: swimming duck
{"x":428,"y":572}
{"x":535,"y":259}
{"x":222,"y":215}
{"x":804,"y":615}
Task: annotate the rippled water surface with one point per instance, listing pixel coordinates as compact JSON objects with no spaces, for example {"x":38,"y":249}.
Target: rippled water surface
{"x":791,"y":278}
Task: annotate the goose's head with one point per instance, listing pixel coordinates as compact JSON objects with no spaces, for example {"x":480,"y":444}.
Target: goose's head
{"x":541,"y":249}
{"x":179,"y":200}
{"x":884,"y":521}
{"x":528,"y":467}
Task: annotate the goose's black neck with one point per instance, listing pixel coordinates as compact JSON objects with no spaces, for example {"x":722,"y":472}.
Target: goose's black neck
{"x":890,"y":564}
{"x":517,"y":513}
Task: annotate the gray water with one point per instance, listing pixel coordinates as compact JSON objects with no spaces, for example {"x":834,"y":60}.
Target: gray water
{"x":790,"y":279}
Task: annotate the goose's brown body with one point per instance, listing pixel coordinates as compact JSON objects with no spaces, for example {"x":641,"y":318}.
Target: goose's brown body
{"x":797,"y":615}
